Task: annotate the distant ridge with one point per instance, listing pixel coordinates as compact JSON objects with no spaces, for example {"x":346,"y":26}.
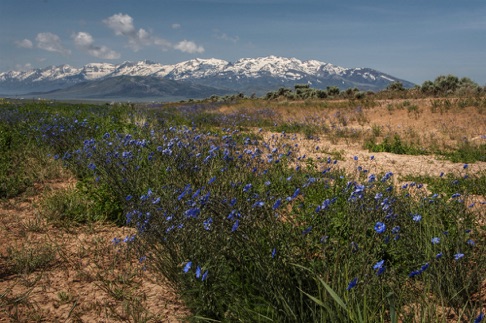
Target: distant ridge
{"x":216,"y":76}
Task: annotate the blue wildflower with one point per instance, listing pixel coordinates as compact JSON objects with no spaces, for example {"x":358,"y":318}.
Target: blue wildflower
{"x":424,"y":267}
{"x":247,"y":187}
{"x":198,"y":271}
{"x":352,"y":283}
{"x":435,"y":240}
{"x":380,"y":271}
{"x":414,"y":273}
{"x":129,"y":239}
{"x":235,"y":226}
{"x":439,"y":255}
{"x":417,"y":217}
{"x":192,"y":212}
{"x":307,"y":230}
{"x":471,"y":242}
{"x":296,"y":193}
{"x":204,"y":276}
{"x":259,"y":204}
{"x":379,"y":267}
{"x":479,"y":318}
{"x":380,"y":227}
{"x":207,"y":224}
{"x":187,"y":267}
{"x":458,"y":256}
{"x":274,"y":252}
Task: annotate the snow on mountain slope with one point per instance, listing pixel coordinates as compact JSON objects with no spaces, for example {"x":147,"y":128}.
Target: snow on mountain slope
{"x":272,"y":69}
{"x":291,"y":68}
{"x":197,"y":68}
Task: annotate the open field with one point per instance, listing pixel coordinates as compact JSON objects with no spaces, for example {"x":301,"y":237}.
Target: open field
{"x":255,"y":211}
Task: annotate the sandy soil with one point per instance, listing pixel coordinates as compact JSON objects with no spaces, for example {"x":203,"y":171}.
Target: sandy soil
{"x":88,"y":280}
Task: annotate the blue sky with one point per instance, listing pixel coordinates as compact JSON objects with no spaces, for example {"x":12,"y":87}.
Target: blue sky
{"x":415,"y":40}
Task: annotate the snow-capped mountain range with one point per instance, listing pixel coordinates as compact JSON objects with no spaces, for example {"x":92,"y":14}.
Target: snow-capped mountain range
{"x":247,"y":75}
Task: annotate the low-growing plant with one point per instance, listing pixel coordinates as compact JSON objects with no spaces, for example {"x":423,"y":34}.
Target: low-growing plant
{"x":26,"y":260}
{"x":466,"y":153}
{"x":395,"y":145}
{"x":81,"y":204}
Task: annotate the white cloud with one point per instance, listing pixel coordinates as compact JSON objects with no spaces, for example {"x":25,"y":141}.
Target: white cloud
{"x":51,"y":43}
{"x":189,"y":47}
{"x":84,"y":41}
{"x":122,"y":25}
{"x":25,"y":43}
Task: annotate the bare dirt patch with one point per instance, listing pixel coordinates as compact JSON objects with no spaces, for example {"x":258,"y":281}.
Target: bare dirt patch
{"x":74,"y":274}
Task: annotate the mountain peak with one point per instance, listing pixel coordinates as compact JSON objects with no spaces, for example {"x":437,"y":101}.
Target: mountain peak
{"x":243,"y":75}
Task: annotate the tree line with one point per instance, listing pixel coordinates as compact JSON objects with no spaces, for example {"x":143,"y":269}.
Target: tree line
{"x":444,"y":85}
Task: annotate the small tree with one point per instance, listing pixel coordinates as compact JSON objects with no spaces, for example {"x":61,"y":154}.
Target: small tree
{"x":446,"y":84}
{"x":395,"y":86}
{"x":333,"y":90}
{"x":428,"y":88}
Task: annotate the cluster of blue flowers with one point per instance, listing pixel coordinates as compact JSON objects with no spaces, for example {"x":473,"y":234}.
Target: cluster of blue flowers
{"x":178,"y":185}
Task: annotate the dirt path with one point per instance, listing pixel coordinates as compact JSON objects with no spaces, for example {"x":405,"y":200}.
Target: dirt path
{"x":351,"y":156}
{"x":73,"y":274}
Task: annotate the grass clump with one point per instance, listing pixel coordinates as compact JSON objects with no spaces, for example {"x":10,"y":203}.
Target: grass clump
{"x":26,"y":260}
{"x":466,"y":153}
{"x":395,"y":146}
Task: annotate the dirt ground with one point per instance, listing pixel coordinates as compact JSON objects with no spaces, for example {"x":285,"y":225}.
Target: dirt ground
{"x":86,"y":278}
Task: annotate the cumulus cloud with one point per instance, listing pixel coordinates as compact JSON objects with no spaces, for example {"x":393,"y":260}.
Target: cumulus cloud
{"x":189,"y":47}
{"x":176,"y":26}
{"x":25,"y":43}
{"x":51,"y":43}
{"x":84,"y":41}
{"x":123,"y":25}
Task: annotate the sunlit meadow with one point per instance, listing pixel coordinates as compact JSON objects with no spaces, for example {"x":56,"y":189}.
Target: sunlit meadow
{"x":248,"y":214}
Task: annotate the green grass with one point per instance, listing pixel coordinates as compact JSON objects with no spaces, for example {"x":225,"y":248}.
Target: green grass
{"x":466,"y":153}
{"x":395,"y":146}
